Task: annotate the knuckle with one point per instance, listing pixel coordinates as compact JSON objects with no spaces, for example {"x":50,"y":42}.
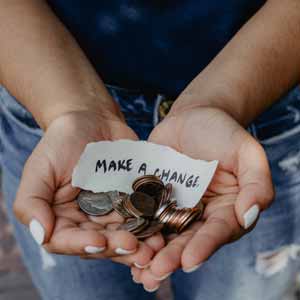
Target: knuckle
{"x":50,"y":249}
{"x":149,"y":253}
{"x":127,"y":238}
{"x":269,"y":197}
{"x":18,"y":211}
{"x":97,"y":239}
{"x":144,"y":255}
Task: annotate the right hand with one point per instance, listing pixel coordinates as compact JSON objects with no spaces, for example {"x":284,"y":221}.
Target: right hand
{"x":46,"y":200}
{"x":240,"y":189}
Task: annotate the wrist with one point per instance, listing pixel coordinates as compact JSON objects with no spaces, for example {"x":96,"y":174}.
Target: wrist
{"x":231,"y":101}
{"x":107,"y":108}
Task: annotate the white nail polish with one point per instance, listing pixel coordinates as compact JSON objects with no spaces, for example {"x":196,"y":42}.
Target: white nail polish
{"x":135,"y":281}
{"x":162,"y":277}
{"x":93,"y":249}
{"x":250,"y":216}
{"x":151,"y":290}
{"x":190,"y":270}
{"x":122,"y":251}
{"x":141,"y":266}
{"x":37,"y":231}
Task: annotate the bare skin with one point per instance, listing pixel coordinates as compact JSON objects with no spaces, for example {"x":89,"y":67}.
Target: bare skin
{"x":256,"y":67}
{"x":243,"y":179}
{"x":250,"y":73}
{"x":68,"y":230}
{"x":44,"y":68}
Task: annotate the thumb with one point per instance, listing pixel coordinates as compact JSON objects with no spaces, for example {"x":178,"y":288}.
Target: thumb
{"x":256,"y":188}
{"x":161,"y":133}
{"x":32,"y":206}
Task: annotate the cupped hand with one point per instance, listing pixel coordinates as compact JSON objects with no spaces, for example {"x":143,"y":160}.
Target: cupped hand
{"x":46,"y":199}
{"x":241,"y":188}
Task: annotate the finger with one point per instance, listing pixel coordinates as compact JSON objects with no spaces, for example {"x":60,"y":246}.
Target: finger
{"x":222,"y":189}
{"x":71,"y":211}
{"x":63,"y":194}
{"x":149,"y":282}
{"x":146,"y":278}
{"x":219,"y":202}
{"x":120,"y":242}
{"x":217,"y":230}
{"x":32,"y":206}
{"x":170,"y":237}
{"x":140,"y":259}
{"x":256,"y":189}
{"x":69,"y":239}
{"x":136,"y":274}
{"x":155,"y":242}
{"x":223,"y":183}
{"x":91,"y":226}
{"x":208,"y":194}
{"x":224,"y":177}
{"x":146,"y":251}
{"x":168,"y":259}
{"x":113,"y":217}
{"x":112,"y":226}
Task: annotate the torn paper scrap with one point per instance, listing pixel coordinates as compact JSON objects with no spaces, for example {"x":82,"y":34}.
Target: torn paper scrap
{"x":106,"y":166}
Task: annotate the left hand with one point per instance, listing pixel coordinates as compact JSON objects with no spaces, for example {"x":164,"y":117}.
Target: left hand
{"x":46,"y":202}
{"x":240,"y":189}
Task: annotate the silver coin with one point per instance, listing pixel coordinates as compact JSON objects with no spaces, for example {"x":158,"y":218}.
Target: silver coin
{"x":117,"y":203}
{"x":134,"y":225}
{"x":95,"y":204}
{"x":114,"y":195}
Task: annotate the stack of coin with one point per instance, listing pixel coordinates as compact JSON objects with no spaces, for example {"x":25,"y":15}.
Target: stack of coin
{"x":174,"y":218}
{"x":146,"y":211}
{"x":178,"y":219}
{"x":140,"y":204}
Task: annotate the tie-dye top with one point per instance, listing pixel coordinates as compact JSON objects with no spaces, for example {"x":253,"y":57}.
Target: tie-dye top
{"x":158,"y":45}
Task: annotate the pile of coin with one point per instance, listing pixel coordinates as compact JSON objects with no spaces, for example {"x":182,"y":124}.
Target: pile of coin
{"x":148,"y":210}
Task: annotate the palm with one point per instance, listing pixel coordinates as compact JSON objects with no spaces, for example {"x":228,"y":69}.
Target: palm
{"x":46,"y":183}
{"x":242,"y":174}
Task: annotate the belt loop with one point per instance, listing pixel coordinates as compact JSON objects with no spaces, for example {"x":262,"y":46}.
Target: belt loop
{"x":252,"y":130}
{"x":158,"y":101}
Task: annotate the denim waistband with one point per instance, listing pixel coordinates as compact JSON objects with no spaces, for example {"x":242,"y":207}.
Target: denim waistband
{"x":144,"y":110}
{"x":280,"y":119}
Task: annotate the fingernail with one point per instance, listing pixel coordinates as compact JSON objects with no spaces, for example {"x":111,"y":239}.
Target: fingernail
{"x":37,"y":231}
{"x":151,"y":290}
{"x":122,"y":251}
{"x":135,"y":280}
{"x":250,"y":216}
{"x":162,"y":277}
{"x":194,"y":268}
{"x":141,"y":266}
{"x":93,"y":249}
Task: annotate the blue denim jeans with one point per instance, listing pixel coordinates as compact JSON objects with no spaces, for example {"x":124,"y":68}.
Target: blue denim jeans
{"x":261,"y":266}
